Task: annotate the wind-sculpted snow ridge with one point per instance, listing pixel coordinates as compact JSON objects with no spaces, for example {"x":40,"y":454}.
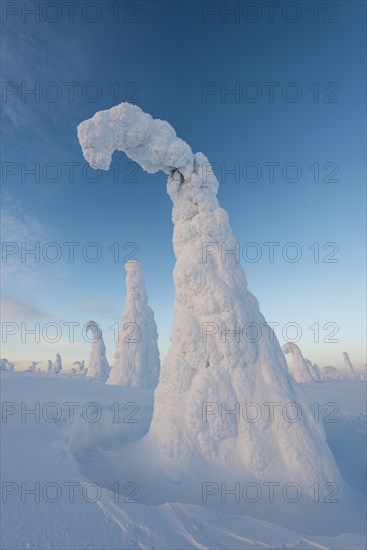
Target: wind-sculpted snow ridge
{"x":224,"y":372}
{"x":300,"y":368}
{"x":137,"y":360}
{"x":349,"y":367}
{"x":98,"y":366}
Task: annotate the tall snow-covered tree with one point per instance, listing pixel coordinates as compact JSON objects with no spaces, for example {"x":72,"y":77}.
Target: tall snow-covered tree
{"x":137,"y":356}
{"x":210,"y":360}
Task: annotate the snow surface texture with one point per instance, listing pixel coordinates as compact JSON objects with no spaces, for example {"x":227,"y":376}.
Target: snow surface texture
{"x":98,"y":366}
{"x":218,"y":370}
{"x":331,"y":373}
{"x":60,"y":452}
{"x":349,"y":367}
{"x":300,"y":368}
{"x":137,"y":360}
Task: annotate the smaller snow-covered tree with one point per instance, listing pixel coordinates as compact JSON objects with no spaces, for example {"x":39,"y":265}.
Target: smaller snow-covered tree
{"x":33,"y":366}
{"x":315,"y":371}
{"x":98,"y":366}
{"x":78,"y":367}
{"x":299,"y":368}
{"x":331,"y":373}
{"x":57,"y":366}
{"x":137,"y":360}
{"x":3,"y":364}
{"x":349,"y":367}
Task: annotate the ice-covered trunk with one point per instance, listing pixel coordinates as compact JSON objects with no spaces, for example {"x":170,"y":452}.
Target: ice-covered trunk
{"x":209,"y":370}
{"x":300,"y":366}
{"x":137,"y":360}
{"x":98,"y":366}
{"x":349,"y":367}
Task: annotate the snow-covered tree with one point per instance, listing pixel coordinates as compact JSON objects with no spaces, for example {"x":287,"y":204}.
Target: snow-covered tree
{"x":316,"y":372}
{"x":6,"y":365}
{"x":299,"y":367}
{"x":98,"y":366}
{"x":206,"y":363}
{"x":78,"y":367}
{"x":314,"y":369}
{"x":57,"y":366}
{"x":33,"y":366}
{"x":349,"y":367}
{"x":49,"y":365}
{"x":331,"y":373}
{"x":137,"y":357}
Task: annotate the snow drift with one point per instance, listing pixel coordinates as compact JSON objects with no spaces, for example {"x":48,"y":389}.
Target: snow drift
{"x":137,"y":360}
{"x":222,"y":369}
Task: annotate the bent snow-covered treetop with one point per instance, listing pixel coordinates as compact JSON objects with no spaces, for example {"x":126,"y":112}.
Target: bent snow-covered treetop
{"x":152,"y":143}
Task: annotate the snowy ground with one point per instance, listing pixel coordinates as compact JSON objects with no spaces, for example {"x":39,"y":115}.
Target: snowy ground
{"x":98,"y":456}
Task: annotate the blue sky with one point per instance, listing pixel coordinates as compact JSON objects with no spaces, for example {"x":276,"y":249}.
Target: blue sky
{"x":179,"y":61}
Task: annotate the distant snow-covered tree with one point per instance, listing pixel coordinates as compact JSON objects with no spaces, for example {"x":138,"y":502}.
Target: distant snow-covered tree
{"x":98,"y":366}
{"x":137,"y":360}
{"x":299,"y":367}
{"x":33,"y":366}
{"x":331,"y":373}
{"x":57,"y":366}
{"x":349,"y":367}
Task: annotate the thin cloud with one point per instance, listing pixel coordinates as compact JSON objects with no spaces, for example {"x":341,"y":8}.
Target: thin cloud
{"x":17,"y":227}
{"x":98,"y":308}
{"x":13,"y":309}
